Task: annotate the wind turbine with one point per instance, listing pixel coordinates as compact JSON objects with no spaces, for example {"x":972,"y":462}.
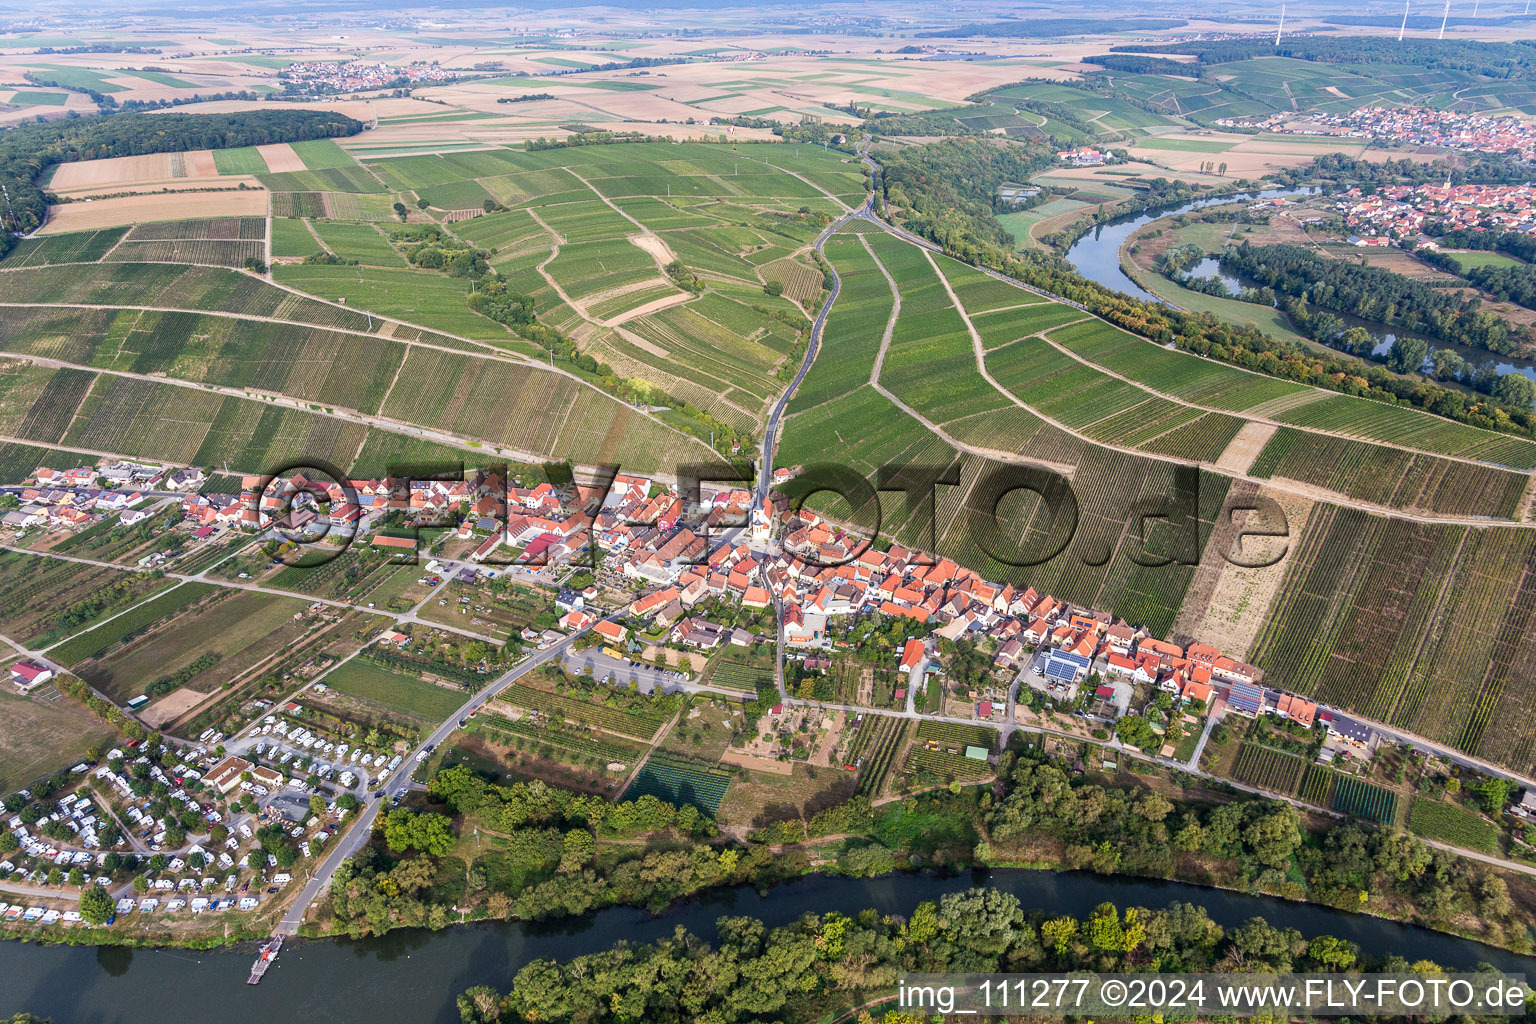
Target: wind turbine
{"x":1444,"y":18}
{"x":1281,"y":27}
{"x":1404,"y":26}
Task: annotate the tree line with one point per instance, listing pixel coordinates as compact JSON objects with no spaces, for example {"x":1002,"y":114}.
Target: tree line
{"x":28,"y":150}
{"x":1376,"y":294}
{"x":1053,"y":28}
{"x":820,"y":966}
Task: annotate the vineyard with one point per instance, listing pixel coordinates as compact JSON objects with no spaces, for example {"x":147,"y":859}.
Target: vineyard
{"x":1268,"y":769}
{"x":128,"y":624}
{"x":1448,"y":823}
{"x":1419,"y":625}
{"x":924,"y":762}
{"x":1317,"y":785}
{"x":1390,"y":476}
{"x":681,"y":780}
{"x":953,"y":734}
{"x":873,"y":750}
{"x":1364,"y":800}
{"x":626,"y":723}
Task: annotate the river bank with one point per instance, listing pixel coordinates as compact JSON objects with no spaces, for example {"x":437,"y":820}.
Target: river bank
{"x":412,"y":976}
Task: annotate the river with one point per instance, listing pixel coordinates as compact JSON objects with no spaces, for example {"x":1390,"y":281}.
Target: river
{"x":1097,"y":257}
{"x":1097,"y":254}
{"x":413,"y":977}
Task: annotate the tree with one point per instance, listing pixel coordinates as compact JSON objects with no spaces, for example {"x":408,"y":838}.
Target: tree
{"x":774,"y":288}
{"x":432,"y":834}
{"x":1407,"y":355}
{"x":96,"y":905}
{"x":140,"y":884}
{"x":401,"y":211}
{"x":1516,"y":390}
{"x":317,"y":805}
{"x":422,"y":204}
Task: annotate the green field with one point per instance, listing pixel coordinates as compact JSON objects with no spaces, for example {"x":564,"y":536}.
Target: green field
{"x":1471,"y":260}
{"x":680,"y":781}
{"x":87,"y":644}
{"x":395,"y":691}
{"x":32,"y":98}
{"x":244,"y":160}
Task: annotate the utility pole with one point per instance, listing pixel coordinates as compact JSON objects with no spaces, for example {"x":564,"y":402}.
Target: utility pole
{"x":1444,"y":18}
{"x":1404,"y":27}
{"x":1281,"y":28}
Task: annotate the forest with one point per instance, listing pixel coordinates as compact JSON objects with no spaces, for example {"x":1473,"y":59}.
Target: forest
{"x":1475,"y":56}
{"x":1375,"y":294}
{"x":949,"y":187}
{"x":1135,"y":64}
{"x":27,"y":150}
{"x":820,"y":966}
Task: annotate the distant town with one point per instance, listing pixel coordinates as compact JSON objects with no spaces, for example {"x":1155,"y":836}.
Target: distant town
{"x":1411,"y":126}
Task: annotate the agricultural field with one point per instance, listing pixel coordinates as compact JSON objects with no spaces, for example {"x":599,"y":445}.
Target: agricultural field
{"x":1391,"y":476}
{"x":201,"y":647}
{"x":96,"y":642}
{"x":43,"y":600}
{"x":401,"y":693}
{"x":1364,"y":800}
{"x":44,"y":731}
{"x":1449,"y":823}
{"x":740,"y":671}
{"x":681,"y":780}
{"x":570,"y":743}
{"x":957,"y":736}
{"x":636,"y":724}
{"x":926,"y":765}
{"x":1267,"y":768}
{"x":1317,"y":785}
{"x":877,"y":739}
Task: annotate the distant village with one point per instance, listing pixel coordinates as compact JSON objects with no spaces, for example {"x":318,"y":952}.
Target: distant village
{"x":1409,"y":126}
{"x":1398,"y":214}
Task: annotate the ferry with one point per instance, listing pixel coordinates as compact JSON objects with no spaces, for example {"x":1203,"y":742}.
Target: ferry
{"x":265,"y":959}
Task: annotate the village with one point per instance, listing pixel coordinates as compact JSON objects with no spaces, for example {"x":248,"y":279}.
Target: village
{"x":904,"y":670}
{"x":1400,"y":214}
{"x":1408,"y":126}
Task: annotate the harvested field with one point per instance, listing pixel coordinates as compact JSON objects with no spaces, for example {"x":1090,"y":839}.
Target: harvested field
{"x":128,"y":170}
{"x":281,"y":157}
{"x":107,"y":213}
